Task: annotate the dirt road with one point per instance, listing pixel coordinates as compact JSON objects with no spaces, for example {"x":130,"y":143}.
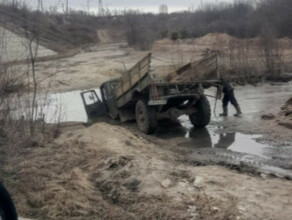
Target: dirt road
{"x":238,"y":158}
{"x":110,"y":170}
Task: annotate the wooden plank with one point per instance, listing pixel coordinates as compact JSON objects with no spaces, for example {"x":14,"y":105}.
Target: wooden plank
{"x":145,"y":62}
{"x":126,"y":97}
{"x":136,"y":70}
{"x":134,"y":75}
{"x":203,"y":69}
{"x":128,"y":84}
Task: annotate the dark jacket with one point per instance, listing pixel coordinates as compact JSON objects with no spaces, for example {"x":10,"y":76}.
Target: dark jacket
{"x":226,"y":86}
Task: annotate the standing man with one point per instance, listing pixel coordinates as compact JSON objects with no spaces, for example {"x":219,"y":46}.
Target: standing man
{"x":229,"y":97}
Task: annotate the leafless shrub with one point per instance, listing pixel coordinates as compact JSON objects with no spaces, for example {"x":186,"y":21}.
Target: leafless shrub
{"x":139,"y":35}
{"x":272,"y":54}
{"x":242,"y":60}
{"x":21,"y":110}
{"x":9,"y":82}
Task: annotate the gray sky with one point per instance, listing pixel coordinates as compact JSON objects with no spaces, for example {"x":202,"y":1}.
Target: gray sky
{"x":153,"y":5}
{"x":144,"y":5}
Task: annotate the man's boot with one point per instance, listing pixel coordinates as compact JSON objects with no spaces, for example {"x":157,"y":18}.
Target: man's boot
{"x":238,"y":111}
{"x":225,"y":112}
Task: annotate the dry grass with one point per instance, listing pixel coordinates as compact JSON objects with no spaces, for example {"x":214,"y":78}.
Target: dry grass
{"x":74,"y":181}
{"x":210,"y":208}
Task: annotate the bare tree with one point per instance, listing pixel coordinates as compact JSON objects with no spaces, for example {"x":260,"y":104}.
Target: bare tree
{"x":271,"y":52}
{"x":32,"y":43}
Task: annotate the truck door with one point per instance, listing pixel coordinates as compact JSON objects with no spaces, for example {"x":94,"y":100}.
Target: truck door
{"x":109,"y":98}
{"x":94,"y":107}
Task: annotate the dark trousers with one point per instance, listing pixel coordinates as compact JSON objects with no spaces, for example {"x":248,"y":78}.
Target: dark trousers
{"x":229,"y":97}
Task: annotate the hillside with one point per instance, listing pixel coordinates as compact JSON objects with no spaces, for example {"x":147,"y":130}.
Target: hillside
{"x":54,"y":31}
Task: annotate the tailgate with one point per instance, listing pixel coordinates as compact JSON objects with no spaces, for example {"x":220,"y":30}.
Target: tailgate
{"x":133,"y":76}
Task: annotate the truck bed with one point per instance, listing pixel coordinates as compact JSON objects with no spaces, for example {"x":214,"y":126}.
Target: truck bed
{"x":138,"y":79}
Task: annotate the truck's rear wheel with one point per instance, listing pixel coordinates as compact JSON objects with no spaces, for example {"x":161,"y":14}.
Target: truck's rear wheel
{"x":201,"y":118}
{"x":146,"y":117}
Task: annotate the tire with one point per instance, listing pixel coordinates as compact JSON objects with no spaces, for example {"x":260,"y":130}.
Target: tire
{"x":146,"y":117}
{"x":201,"y":118}
{"x":7,"y":209}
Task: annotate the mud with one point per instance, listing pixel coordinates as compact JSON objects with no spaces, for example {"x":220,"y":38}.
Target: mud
{"x":114,"y":165}
{"x":235,"y":150}
{"x":231,"y":141}
{"x":254,"y":100}
{"x":237,"y":143}
{"x":226,"y":141}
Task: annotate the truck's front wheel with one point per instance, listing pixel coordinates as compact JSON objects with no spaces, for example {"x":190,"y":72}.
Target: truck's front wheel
{"x":146,"y":117}
{"x":201,"y":118}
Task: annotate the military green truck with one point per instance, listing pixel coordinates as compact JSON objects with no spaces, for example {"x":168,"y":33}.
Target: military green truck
{"x":137,"y":96}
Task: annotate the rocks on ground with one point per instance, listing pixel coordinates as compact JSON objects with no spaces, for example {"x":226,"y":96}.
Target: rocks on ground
{"x":268,"y":116}
{"x":166,"y":183}
{"x":284,"y":117}
{"x":199,"y":182}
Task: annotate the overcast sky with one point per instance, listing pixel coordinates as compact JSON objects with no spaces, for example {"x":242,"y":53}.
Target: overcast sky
{"x":144,"y":5}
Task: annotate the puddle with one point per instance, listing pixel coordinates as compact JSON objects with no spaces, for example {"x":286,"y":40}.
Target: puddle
{"x":245,"y":144}
{"x":70,"y":106}
{"x":256,"y":99}
{"x":208,"y":138}
{"x":208,"y":146}
{"x":252,"y":100}
{"x":62,"y":107}
{"x":235,"y":147}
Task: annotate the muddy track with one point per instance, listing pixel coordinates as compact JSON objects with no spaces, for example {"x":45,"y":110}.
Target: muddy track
{"x":279,"y":167}
{"x":231,"y":142}
{"x":278,"y":162}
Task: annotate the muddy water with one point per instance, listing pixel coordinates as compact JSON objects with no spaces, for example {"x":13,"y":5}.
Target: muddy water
{"x":212,"y":145}
{"x":252,"y":99}
{"x":65,"y":107}
{"x":257,"y":99}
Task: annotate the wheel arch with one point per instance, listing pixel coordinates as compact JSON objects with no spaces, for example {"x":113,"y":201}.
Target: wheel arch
{"x":138,"y":95}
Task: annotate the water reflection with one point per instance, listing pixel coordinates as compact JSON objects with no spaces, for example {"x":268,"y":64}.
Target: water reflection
{"x":208,"y":138}
{"x":254,"y":99}
{"x":225,"y":140}
{"x":169,"y":129}
{"x":198,"y":138}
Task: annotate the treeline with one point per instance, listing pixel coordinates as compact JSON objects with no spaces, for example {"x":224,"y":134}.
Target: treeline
{"x":241,"y":19}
